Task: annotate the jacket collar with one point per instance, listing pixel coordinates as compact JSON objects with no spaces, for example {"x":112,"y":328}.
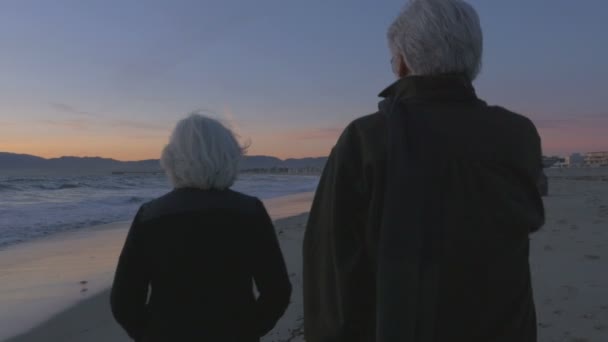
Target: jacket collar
{"x":449,"y":87}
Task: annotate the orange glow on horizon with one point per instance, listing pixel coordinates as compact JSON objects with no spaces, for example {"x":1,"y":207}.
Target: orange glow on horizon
{"x":285,"y":143}
{"x":130,"y":149}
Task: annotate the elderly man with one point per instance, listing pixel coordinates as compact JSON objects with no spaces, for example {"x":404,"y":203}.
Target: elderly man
{"x":419,"y":228}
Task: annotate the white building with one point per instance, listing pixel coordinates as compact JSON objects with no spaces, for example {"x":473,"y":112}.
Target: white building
{"x":575,"y":160}
{"x":596,"y":159}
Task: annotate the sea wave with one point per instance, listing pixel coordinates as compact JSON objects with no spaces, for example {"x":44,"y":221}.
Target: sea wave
{"x":39,"y":206}
{"x":7,"y":187}
{"x":85,"y":182}
{"x":55,"y":186}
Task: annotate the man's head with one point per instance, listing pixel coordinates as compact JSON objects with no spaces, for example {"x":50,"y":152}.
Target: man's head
{"x":432,"y":37}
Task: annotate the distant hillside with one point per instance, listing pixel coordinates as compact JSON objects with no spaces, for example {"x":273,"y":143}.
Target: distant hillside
{"x":264,"y":162}
{"x":259,"y":162}
{"x":12,"y":163}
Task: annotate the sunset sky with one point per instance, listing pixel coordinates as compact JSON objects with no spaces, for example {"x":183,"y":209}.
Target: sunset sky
{"x":110,"y":78}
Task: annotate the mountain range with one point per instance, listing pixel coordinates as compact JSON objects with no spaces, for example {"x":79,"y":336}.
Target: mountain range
{"x":16,"y":163}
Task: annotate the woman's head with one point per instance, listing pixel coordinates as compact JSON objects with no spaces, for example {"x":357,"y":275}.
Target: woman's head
{"x":202,"y":153}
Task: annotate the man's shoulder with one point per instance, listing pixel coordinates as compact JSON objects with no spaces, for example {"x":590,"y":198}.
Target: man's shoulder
{"x":510,"y":117}
{"x":362,"y":139}
{"x":363,"y":128}
{"x":369,"y":123}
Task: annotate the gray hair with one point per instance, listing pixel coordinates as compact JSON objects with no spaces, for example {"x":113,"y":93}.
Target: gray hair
{"x":438,"y":37}
{"x":202,"y":153}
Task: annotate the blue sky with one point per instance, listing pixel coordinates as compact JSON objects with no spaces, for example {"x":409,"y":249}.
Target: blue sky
{"x":110,"y":78}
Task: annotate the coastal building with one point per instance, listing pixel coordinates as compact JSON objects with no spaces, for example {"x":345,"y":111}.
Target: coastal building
{"x":596,"y":159}
{"x":553,"y":160}
{"x":575,"y":160}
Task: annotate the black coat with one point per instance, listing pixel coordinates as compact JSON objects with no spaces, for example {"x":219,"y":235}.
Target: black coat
{"x":196,"y":254}
{"x":419,"y":227}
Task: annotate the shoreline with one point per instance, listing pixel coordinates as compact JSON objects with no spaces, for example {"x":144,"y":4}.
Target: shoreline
{"x":44,"y":278}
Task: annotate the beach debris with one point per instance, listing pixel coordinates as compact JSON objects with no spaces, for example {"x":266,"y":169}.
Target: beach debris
{"x":579,"y":339}
{"x":588,"y":316}
{"x":571,"y":292}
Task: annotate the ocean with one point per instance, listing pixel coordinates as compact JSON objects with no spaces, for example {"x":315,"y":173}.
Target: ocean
{"x":33,"y":207}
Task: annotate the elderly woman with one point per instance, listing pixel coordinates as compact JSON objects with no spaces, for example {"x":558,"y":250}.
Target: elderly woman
{"x":419,"y":228}
{"x":187,"y":268}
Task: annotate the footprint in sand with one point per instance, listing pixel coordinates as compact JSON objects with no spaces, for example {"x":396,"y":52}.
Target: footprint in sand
{"x":570,"y":292}
{"x":548,"y":248}
{"x":579,"y":339}
{"x":574,"y":227}
{"x":592,"y":257}
{"x":594,"y":200}
{"x":562,"y":221}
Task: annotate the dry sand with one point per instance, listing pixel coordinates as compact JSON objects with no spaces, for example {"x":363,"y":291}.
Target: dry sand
{"x":569,"y":261}
{"x":570,"y":258}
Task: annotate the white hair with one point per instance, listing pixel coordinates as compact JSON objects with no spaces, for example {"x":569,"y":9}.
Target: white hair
{"x":438,"y":37}
{"x":202,"y":153}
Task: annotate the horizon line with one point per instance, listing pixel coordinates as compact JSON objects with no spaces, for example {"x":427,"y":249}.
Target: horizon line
{"x":145,"y":159}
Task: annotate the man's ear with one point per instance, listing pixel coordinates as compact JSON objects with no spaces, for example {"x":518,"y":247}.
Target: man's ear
{"x":402,"y":68}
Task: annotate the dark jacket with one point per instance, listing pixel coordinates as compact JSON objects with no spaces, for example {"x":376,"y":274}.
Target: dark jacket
{"x":461,"y":203}
{"x":196,"y":255}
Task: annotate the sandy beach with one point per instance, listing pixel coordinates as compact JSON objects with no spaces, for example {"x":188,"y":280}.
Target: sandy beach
{"x":570,"y":258}
{"x":569,"y":261}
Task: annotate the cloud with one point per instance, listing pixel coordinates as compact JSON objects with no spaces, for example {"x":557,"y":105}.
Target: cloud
{"x":189,"y":38}
{"x":554,"y":123}
{"x":77,"y":124}
{"x":599,"y":115}
{"x":108,"y":125}
{"x":313,"y":133}
{"x":590,"y":121}
{"x":66,"y":108}
{"x":140,"y":125}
